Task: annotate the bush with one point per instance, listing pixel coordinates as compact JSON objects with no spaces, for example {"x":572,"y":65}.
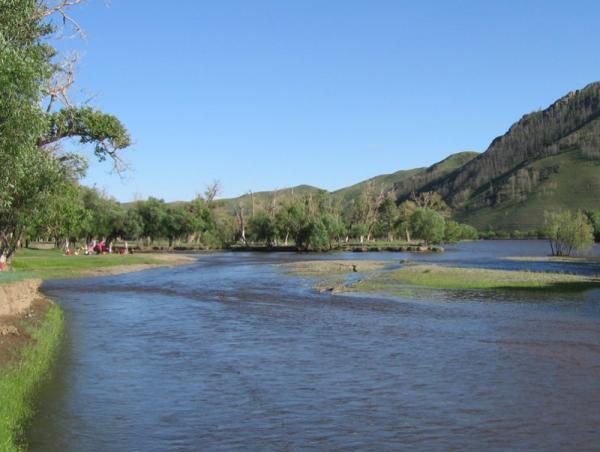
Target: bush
{"x":568,"y":232}
{"x":427,"y":225}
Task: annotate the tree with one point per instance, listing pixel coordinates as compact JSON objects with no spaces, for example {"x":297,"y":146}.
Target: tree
{"x":427,"y":225}
{"x":212,"y":191}
{"x":153,"y":213}
{"x":431,"y":200}
{"x":289,"y":219}
{"x":402,"y":223}
{"x":388,"y":215}
{"x":594,"y":219}
{"x":454,"y":232}
{"x":262,"y":228}
{"x":178,"y":223}
{"x":568,"y":232}
{"x":33,"y":165}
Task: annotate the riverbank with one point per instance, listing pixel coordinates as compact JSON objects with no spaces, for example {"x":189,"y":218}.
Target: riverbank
{"x":29,"y":339}
{"x":31,"y":325}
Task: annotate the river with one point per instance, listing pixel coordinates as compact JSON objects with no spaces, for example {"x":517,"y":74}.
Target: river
{"x":230,"y":353}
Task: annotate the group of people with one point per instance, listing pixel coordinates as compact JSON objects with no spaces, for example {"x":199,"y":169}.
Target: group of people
{"x":97,"y":247}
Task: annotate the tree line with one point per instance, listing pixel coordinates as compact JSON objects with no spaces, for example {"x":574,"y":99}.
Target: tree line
{"x":313,"y":221}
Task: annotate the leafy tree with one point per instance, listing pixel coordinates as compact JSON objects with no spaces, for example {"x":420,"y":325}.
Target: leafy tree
{"x":262,"y":228}
{"x":289,"y":219}
{"x":178,"y":223}
{"x":568,"y":232}
{"x":153,"y":213}
{"x":427,"y":225}
{"x":468,"y":232}
{"x":133,"y":225}
{"x":33,"y":166}
{"x":313,"y":235}
{"x":594,"y":219}
{"x":454,"y":232}
{"x":388,"y":215}
{"x":402,"y":223}
{"x":334,"y":226}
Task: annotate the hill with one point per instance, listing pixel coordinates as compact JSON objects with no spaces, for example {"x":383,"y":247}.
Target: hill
{"x":400,"y":181}
{"x":548,"y":159}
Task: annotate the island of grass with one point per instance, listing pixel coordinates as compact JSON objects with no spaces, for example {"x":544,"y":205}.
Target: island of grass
{"x":323,"y":268}
{"x":440,"y":277}
{"x":592,"y":260}
{"x":331,"y":274}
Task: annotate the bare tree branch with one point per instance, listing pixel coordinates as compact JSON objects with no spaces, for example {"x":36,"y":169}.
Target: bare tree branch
{"x":60,"y":8}
{"x":61,"y":82}
{"x":212,"y":190}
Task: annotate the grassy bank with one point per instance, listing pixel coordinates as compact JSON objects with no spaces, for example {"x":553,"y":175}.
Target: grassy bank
{"x":438,"y":277}
{"x":49,"y":264}
{"x":20,"y":378}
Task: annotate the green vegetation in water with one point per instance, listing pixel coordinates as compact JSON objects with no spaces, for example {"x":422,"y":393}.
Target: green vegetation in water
{"x":20,"y":380}
{"x":332,"y":274}
{"x":561,"y":259}
{"x":46,"y":264}
{"x":438,"y":277}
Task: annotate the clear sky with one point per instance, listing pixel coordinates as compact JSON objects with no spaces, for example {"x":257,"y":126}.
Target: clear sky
{"x":270,"y":94}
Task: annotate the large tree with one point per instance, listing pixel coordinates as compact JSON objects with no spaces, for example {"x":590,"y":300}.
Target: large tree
{"x":36,"y":115}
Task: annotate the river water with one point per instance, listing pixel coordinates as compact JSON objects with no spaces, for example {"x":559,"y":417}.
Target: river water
{"x":229,"y":353}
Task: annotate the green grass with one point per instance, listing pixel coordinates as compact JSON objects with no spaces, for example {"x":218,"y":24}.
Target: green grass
{"x":20,"y":380}
{"x":47,"y":264}
{"x":592,"y":260}
{"x":437,"y":277}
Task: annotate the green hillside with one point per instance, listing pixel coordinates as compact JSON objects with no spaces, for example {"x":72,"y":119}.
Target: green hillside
{"x":400,"y":181}
{"x":423,"y":180}
{"x":263,"y":199}
{"x":547,"y":160}
{"x":385,"y":181}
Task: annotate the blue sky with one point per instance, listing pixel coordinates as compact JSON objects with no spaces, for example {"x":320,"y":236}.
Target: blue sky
{"x":270,"y":94}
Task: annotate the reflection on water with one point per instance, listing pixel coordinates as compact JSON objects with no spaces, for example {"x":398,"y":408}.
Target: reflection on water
{"x":228,"y":353}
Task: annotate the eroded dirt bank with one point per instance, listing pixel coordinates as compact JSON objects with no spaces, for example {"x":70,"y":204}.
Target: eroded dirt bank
{"x":21,"y":304}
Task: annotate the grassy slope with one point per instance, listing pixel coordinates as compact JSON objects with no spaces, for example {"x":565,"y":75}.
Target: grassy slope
{"x":386,"y":181}
{"x":421,"y":180}
{"x":19,"y":381}
{"x":575,"y":186}
{"x":415,"y":177}
{"x":265,"y":197}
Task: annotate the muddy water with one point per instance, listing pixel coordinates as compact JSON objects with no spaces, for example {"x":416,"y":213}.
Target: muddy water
{"x":230,"y":354}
